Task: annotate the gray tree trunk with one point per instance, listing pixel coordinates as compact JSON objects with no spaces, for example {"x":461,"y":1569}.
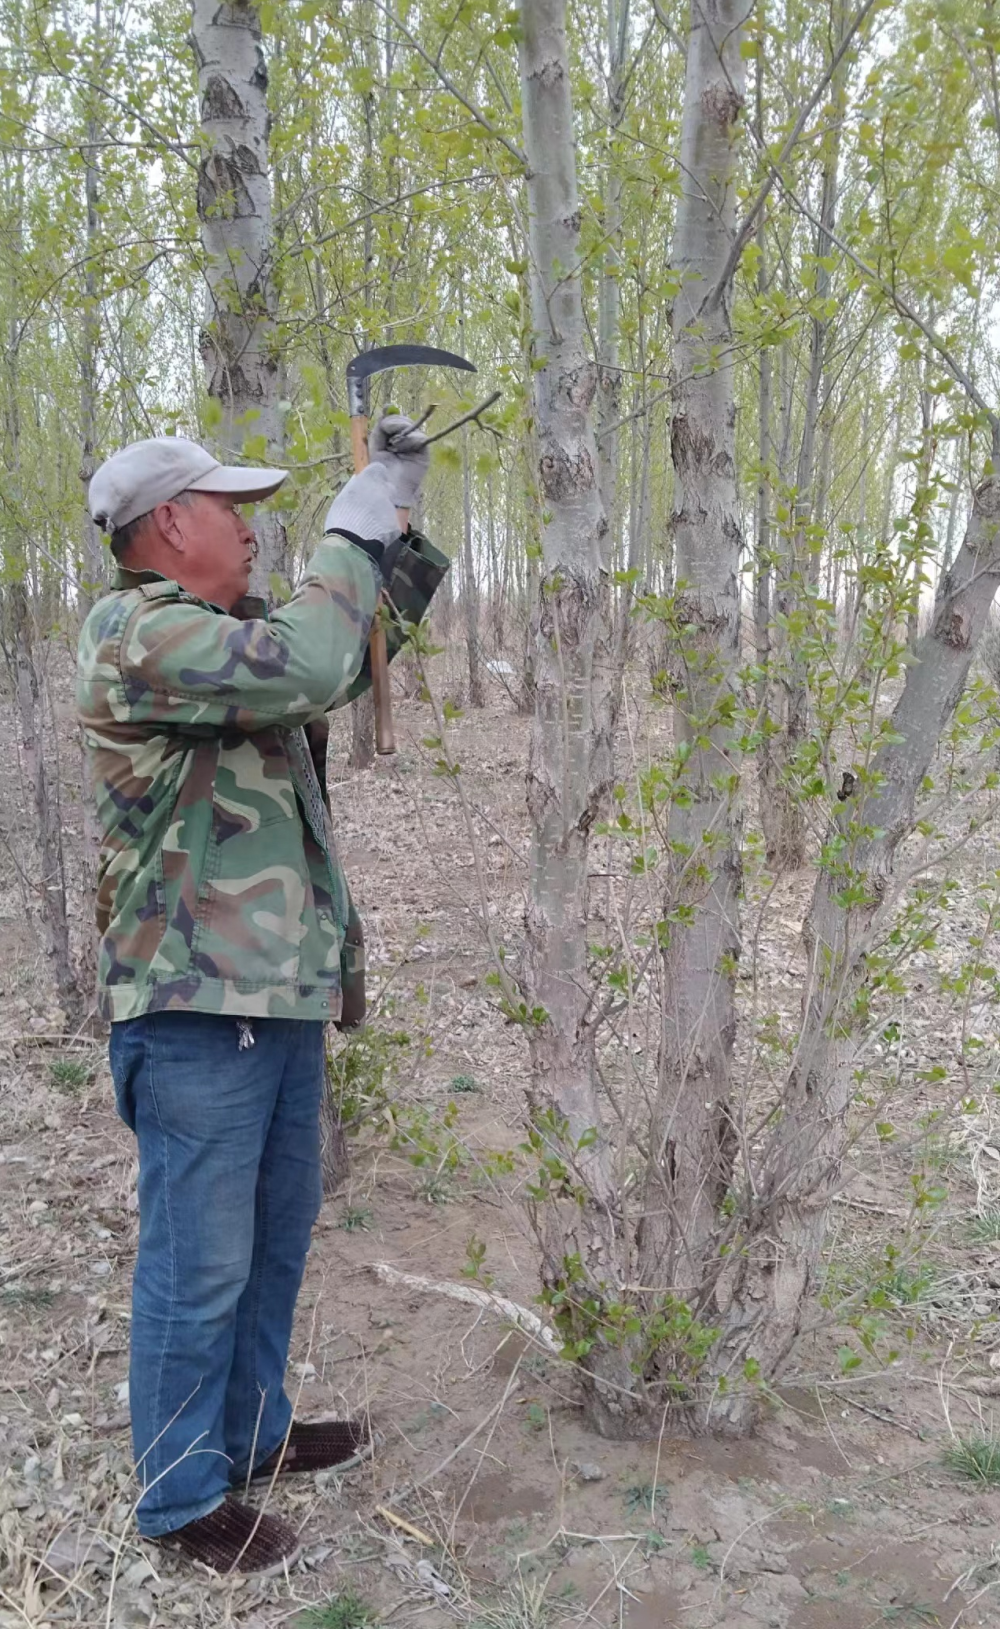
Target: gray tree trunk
{"x":570,"y":764}
{"x":692,"y":1139}
{"x":609,"y":294}
{"x":362,"y":754}
{"x":52,"y":906}
{"x":923,"y":499}
{"x":234,"y":209}
{"x":763,"y":574}
{"x":470,"y":588}
{"x":93,"y":575}
{"x":782,"y":813}
{"x":638,"y":533}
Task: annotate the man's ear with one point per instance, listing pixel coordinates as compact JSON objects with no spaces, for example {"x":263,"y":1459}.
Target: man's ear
{"x":166,"y":520}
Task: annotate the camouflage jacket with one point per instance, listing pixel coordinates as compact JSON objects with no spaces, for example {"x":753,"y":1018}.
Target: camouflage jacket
{"x":219,"y":889}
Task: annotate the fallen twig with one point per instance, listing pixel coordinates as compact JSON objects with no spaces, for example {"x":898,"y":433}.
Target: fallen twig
{"x":404,"y":1526}
{"x":525,"y":1320}
{"x":886,"y":1419}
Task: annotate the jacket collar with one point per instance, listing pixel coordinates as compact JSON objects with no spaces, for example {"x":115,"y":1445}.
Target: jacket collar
{"x":247,"y":609}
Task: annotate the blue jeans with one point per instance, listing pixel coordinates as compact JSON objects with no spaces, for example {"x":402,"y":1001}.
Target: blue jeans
{"x":229,"y":1188}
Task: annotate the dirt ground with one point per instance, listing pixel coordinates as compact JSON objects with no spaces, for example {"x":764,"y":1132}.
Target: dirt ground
{"x":488,"y":1503}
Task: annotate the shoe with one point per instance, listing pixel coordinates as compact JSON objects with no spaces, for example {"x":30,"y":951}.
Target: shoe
{"x":234,"y":1538}
{"x":318,"y":1445}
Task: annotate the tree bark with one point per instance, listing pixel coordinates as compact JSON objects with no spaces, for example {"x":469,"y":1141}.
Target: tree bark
{"x":52,"y":912}
{"x":782,"y":813}
{"x":335,"y":1159}
{"x":470,"y":587}
{"x":93,"y":574}
{"x":609,"y":294}
{"x":763,"y":574}
{"x":691,"y":1138}
{"x":470,"y":590}
{"x":362,"y":752}
{"x":570,"y":765}
{"x":239,"y":339}
{"x":922,"y":500}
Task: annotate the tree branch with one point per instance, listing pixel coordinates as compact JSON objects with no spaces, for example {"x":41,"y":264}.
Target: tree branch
{"x":906,"y":310}
{"x":449,"y":85}
{"x":668,"y":27}
{"x":472,"y":414}
{"x":745,"y":230}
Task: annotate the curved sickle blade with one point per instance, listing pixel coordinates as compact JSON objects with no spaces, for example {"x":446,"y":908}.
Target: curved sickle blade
{"x":366,"y":363}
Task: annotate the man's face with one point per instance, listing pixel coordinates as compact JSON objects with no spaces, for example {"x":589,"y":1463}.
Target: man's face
{"x":219,"y":547}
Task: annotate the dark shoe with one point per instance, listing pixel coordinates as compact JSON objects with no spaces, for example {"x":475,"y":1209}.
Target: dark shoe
{"x":318,"y":1445}
{"x":234,"y":1538}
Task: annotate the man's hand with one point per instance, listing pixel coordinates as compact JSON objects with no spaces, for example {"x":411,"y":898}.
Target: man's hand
{"x":365,"y":507}
{"x":366,"y":516}
{"x":403,"y":452}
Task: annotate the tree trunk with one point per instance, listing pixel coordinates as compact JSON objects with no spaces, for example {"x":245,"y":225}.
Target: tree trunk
{"x":853,"y":596}
{"x":569,"y":773}
{"x":93,"y":576}
{"x":922,"y":500}
{"x":625,"y":624}
{"x":763,"y":573}
{"x":691,"y":1144}
{"x":609,"y":294}
{"x":335,"y":1160}
{"x":234,"y":208}
{"x":470,"y":587}
{"x":782,"y":812}
{"x":470,"y":591}
{"x":362,"y":753}
{"x":53,"y":912}
{"x":958,"y":488}
{"x":781,"y":1234}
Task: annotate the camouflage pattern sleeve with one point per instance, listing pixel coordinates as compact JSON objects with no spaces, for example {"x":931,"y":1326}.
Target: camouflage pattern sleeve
{"x":196,"y":671}
{"x":419,"y":572}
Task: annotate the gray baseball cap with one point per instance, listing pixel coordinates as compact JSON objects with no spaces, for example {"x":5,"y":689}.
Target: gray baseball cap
{"x":135,"y":480}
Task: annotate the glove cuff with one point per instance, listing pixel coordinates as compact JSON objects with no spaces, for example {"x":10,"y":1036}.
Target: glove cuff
{"x":383,"y":556}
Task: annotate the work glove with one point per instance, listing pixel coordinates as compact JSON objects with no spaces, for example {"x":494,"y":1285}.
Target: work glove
{"x":404,"y":453}
{"x":365,"y":514}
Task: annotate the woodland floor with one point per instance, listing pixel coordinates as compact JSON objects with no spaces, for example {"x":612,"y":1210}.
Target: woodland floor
{"x":842,"y":1513}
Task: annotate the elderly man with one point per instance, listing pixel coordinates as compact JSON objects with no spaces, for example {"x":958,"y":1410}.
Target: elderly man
{"x":227,"y":942}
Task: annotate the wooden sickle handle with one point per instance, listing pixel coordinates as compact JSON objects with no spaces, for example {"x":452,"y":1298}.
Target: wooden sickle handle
{"x":385,"y":736}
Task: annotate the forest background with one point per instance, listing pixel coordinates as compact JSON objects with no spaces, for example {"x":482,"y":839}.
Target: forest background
{"x":725,"y":551}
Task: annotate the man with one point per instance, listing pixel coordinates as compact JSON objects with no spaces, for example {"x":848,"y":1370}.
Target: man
{"x":227,"y":941}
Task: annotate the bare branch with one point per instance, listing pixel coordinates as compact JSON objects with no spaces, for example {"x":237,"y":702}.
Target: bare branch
{"x":449,"y":85}
{"x":746,"y":228}
{"x":472,"y":414}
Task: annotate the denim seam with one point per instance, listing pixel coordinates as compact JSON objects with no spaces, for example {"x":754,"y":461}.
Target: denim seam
{"x":157,"y":1447}
{"x":258,"y":1402}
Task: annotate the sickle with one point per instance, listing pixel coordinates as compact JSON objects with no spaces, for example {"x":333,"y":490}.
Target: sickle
{"x":359,"y":372}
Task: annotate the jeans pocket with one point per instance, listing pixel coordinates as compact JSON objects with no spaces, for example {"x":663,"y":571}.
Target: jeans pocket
{"x":124,"y":1055}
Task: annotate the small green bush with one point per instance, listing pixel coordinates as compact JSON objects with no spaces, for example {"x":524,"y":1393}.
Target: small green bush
{"x":345,"y":1610}
{"x":975,"y":1458}
{"x":70,"y":1075}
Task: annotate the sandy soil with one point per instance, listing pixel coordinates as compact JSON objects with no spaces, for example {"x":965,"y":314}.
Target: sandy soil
{"x":842,"y":1512}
